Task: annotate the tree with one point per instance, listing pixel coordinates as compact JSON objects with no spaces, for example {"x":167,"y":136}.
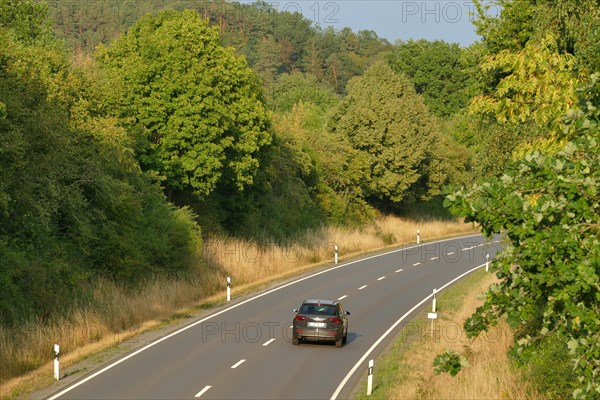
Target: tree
{"x":313,"y":62}
{"x":437,"y":71}
{"x":291,"y":89}
{"x":550,"y":273}
{"x":269,"y":61}
{"x":26,"y":20}
{"x":295,"y":29}
{"x":73,"y":203}
{"x":574,"y":24}
{"x":197,"y":105}
{"x":537,"y":85}
{"x":389,"y":125}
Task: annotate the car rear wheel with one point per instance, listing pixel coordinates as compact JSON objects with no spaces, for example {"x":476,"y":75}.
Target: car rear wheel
{"x":339,"y":343}
{"x":295,"y":341}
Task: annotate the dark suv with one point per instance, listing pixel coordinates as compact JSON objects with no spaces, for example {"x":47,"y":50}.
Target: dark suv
{"x":318,"y":320}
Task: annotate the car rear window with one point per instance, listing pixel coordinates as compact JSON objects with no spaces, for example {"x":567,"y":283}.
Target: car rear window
{"x":318,"y":309}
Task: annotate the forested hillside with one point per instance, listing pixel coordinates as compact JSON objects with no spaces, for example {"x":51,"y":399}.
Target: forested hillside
{"x":272,"y":42}
{"x":304,"y":71}
{"x":127,"y":130}
{"x":131,"y":129}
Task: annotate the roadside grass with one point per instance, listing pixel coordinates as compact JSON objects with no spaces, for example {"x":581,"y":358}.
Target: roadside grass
{"x":405,"y":370}
{"x":116,"y":314}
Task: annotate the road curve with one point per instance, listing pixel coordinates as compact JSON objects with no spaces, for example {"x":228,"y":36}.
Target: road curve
{"x":244,"y":351}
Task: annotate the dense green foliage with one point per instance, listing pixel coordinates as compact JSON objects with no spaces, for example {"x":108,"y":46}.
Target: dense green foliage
{"x":543,"y":158}
{"x":73,"y":205}
{"x":574,"y":24}
{"x":392,"y":133}
{"x":291,"y":89}
{"x":550,"y":275}
{"x":533,"y":56}
{"x":537,"y":88}
{"x":196,"y":106}
{"x":437,"y":70}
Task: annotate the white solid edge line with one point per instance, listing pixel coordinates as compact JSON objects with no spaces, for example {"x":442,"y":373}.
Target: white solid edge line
{"x":200,"y":393}
{"x":364,"y":357}
{"x":268,"y":342}
{"x":237,"y":364}
{"x":343,"y":297}
{"x":185,"y":328}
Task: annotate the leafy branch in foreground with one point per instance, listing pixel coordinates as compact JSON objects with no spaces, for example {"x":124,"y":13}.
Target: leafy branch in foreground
{"x":449,"y":362}
{"x":550,"y":273}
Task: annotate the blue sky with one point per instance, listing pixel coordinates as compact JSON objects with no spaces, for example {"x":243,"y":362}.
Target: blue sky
{"x":392,"y":19}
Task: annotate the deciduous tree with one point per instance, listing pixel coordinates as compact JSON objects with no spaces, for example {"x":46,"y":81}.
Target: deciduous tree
{"x":437,"y":71}
{"x":390,"y":127}
{"x":548,"y":207}
{"x":198,"y":106}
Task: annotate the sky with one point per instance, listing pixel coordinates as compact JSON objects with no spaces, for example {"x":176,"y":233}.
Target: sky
{"x":392,"y":19}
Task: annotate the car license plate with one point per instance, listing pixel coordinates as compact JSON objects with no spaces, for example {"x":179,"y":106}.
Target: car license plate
{"x":317,"y":324}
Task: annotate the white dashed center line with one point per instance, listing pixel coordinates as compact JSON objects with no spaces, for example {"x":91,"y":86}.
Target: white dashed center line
{"x":362,"y":287}
{"x":451,"y":253}
{"x":343,"y":297}
{"x":417,"y":263}
{"x":379,"y":279}
{"x":268,"y":342}
{"x":399,"y":270}
{"x":237,"y":364}
{"x":433,"y":258}
{"x":200,"y":393}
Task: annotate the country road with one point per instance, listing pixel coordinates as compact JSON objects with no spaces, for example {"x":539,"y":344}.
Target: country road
{"x":245,"y":350}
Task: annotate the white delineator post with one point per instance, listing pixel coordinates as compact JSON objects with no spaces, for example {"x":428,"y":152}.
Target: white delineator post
{"x":487,"y":262}
{"x":336,"y":255}
{"x":418,"y":236}
{"x":228,"y":289}
{"x":56,"y":362}
{"x":433,"y":314}
{"x":370,"y":379}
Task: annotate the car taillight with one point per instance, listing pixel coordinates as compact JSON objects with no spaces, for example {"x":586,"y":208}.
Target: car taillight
{"x":300,"y":318}
{"x":335,"y":320}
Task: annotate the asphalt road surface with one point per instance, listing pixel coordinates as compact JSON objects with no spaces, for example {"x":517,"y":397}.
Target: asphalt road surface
{"x":245,"y":351}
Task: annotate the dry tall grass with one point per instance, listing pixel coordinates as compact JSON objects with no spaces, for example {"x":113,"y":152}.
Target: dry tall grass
{"x":489,"y":374}
{"x":247,"y":262}
{"x":118,"y":314}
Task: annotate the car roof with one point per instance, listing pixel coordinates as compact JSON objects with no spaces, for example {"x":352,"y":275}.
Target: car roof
{"x":317,"y":301}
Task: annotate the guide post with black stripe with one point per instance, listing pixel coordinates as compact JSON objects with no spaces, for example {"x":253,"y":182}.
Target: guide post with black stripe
{"x":370,"y":379}
{"x":228,"y":289}
{"x":56,"y":362}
